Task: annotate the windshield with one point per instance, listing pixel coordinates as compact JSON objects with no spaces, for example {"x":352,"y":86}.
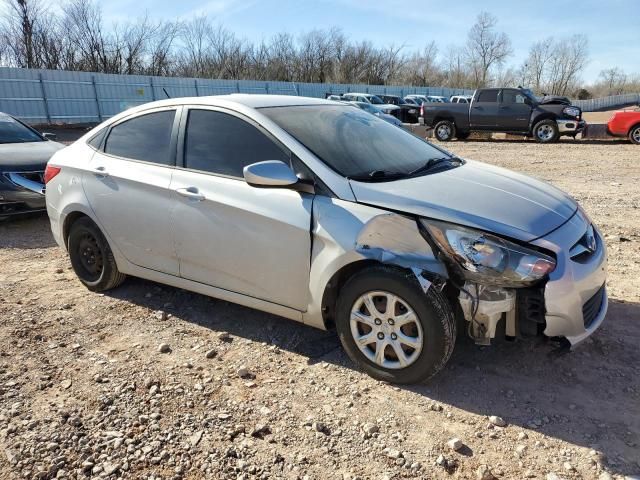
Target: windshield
{"x":351,"y":141}
{"x":376,"y":100}
{"x":12,"y":131}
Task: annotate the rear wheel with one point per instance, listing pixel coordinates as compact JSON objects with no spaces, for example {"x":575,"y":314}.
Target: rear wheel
{"x":391,"y":328}
{"x":546,"y":131}
{"x":634,"y":135}
{"x":444,"y":130}
{"x":91,"y":256}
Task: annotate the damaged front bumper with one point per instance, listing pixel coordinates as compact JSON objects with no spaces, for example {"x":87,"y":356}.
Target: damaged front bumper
{"x":571,"y":304}
{"x":575,"y":295}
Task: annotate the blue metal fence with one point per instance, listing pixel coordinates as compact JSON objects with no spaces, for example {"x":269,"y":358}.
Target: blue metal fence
{"x":56,"y":96}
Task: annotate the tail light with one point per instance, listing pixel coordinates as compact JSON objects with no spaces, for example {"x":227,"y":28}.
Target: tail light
{"x":422,"y":110}
{"x":50,"y":172}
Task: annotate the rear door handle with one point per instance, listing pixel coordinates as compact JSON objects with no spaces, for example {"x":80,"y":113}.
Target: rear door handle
{"x":191,"y":193}
{"x":101,"y":172}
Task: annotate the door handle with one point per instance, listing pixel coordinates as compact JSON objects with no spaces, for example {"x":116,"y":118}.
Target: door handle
{"x":191,"y":193}
{"x":101,"y":172}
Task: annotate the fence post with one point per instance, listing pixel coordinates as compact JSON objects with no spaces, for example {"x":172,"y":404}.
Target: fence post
{"x":95,"y":95}
{"x":238,"y":87}
{"x":44,"y":98}
{"x":195,"y":84}
{"x":153,"y":90}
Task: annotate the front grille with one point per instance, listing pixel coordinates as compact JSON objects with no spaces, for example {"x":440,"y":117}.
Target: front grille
{"x":591,"y":308}
{"x":586,"y":246}
{"x":33,"y":181}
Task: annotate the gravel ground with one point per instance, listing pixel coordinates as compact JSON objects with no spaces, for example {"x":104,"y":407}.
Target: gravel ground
{"x":149,"y":381}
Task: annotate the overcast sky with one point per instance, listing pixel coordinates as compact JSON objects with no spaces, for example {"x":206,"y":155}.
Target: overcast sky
{"x":612,"y":26}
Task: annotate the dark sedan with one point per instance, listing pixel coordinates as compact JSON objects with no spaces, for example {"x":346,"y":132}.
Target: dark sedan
{"x":24,"y":153}
{"x":408,"y":112}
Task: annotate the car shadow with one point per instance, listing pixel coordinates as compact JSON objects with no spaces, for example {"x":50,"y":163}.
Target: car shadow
{"x":27,"y":231}
{"x":588,"y":397}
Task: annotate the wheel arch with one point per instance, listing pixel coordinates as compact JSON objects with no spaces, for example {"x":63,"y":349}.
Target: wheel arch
{"x":335,"y":283}
{"x":632,"y":127}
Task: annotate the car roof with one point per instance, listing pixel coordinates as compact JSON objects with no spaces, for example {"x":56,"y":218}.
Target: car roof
{"x":247,"y":100}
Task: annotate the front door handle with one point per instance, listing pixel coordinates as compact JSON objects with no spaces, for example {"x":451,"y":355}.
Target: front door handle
{"x":101,"y":172}
{"x":191,"y":193}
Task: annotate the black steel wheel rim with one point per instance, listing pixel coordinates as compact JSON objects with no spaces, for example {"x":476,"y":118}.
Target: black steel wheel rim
{"x":90,"y":256}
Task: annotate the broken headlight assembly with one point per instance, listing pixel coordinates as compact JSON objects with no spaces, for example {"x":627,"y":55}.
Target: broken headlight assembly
{"x":488,"y":259}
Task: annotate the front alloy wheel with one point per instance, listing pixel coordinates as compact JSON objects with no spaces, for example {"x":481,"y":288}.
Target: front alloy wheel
{"x":386,"y":330}
{"x":546,"y":131}
{"x":391,"y":328}
{"x":634,"y":135}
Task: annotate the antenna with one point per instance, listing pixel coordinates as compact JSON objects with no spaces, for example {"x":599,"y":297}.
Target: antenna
{"x":165,"y":92}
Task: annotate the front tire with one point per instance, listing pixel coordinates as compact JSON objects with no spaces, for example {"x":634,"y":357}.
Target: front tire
{"x":634,"y":135}
{"x":391,"y":328}
{"x":91,"y":257}
{"x":444,"y":130}
{"x":546,"y":131}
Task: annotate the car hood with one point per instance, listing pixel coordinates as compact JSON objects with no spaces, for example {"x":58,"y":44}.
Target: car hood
{"x":27,"y":156}
{"x":554,"y":100}
{"x":476,"y":195}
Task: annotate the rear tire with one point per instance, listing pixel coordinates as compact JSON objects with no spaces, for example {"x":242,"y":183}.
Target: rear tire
{"x":444,"y":130}
{"x":546,"y":131}
{"x":91,"y":257}
{"x":409,"y":344}
{"x":634,"y":134}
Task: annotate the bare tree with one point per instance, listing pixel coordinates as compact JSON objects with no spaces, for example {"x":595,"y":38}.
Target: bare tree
{"x":536,"y":64}
{"x":569,"y":59}
{"x":613,"y":80}
{"x":21,"y":25}
{"x":486,"y":48}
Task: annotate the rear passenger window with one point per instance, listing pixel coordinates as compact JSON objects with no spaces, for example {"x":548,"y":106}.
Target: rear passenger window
{"x":96,"y":140}
{"x":146,"y":138}
{"x":488,"y":96}
{"x":220,"y":143}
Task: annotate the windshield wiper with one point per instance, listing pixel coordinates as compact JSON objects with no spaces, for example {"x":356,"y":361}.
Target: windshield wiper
{"x":433,"y":162}
{"x":377,"y":175}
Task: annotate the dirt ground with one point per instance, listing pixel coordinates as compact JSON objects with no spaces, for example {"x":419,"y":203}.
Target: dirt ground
{"x":85,"y":391}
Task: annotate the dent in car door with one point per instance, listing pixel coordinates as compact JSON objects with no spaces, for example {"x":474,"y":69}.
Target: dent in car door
{"x":253,"y":241}
{"x":130,"y":196}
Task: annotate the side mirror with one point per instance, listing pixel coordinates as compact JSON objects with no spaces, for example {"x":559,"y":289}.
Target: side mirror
{"x":270,"y":173}
{"x":50,"y":136}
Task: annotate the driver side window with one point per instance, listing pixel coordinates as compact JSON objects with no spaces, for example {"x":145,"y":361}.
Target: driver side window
{"x":513,"y":97}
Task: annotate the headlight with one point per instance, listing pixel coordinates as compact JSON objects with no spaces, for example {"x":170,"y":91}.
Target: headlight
{"x":488,"y":259}
{"x":571,"y":111}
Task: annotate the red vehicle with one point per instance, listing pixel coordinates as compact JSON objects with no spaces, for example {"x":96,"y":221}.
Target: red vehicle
{"x":625,"y":124}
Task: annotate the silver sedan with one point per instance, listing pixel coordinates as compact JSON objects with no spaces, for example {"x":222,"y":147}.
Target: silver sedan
{"x":327,"y":215}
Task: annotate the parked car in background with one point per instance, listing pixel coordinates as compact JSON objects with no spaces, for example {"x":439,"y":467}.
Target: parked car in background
{"x":625,"y":124}
{"x":24,"y":153}
{"x":419,"y":99}
{"x":510,"y":110}
{"x":411,"y":101}
{"x":372,"y":99}
{"x":324,"y":214}
{"x":437,"y":99}
{"x":461,"y":99}
{"x":408,"y":113}
{"x":373,"y":110}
